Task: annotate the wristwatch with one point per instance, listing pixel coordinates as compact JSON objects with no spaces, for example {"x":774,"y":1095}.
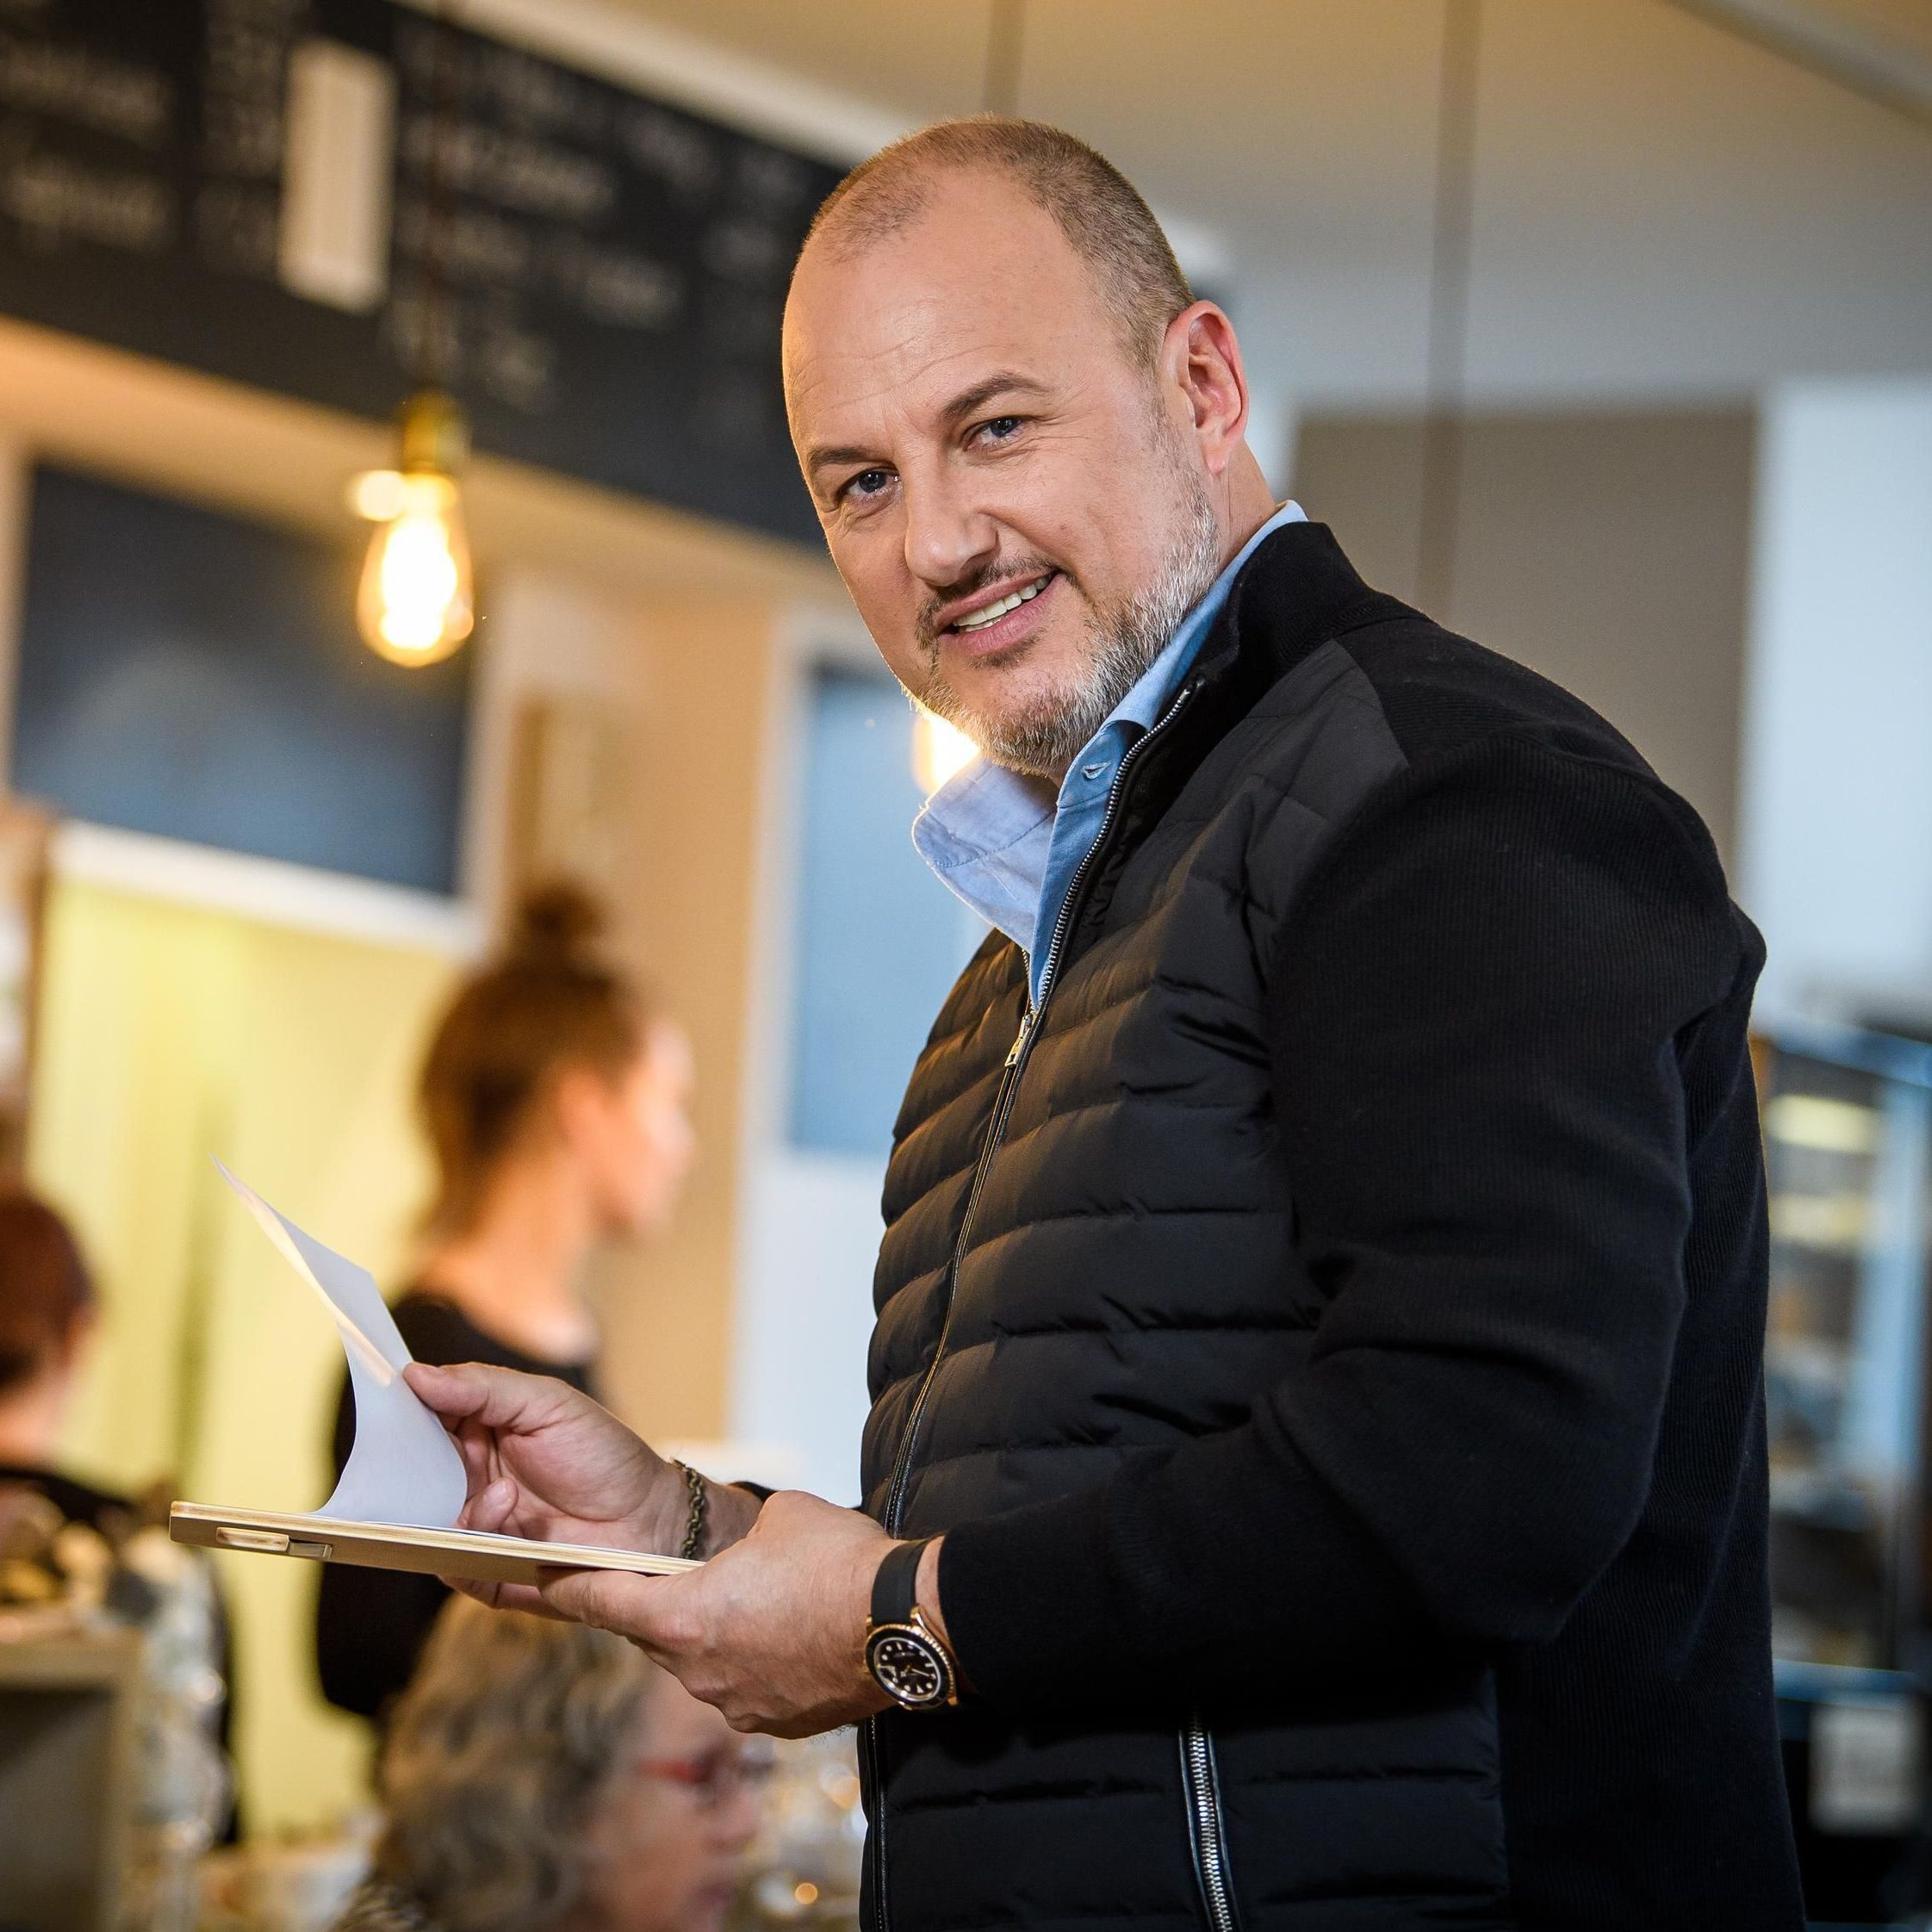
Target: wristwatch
{"x":907,"y":1657}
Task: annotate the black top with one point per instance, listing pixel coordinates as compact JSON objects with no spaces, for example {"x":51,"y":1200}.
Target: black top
{"x":1341,"y":1332}
{"x":79,"y":1502}
{"x":371,"y":1625}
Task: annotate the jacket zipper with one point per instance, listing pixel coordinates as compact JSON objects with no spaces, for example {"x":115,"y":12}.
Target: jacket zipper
{"x":875,"y":1835}
{"x":1201,"y":1779}
{"x":1002,"y":1105}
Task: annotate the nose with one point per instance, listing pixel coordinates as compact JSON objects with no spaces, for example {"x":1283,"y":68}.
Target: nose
{"x":948,"y":535}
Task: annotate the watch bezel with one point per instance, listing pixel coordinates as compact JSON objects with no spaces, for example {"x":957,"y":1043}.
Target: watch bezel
{"x":913,"y":1630}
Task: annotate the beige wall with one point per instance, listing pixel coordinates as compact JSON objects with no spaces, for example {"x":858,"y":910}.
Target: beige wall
{"x":1609,"y":552}
{"x":696,"y":737}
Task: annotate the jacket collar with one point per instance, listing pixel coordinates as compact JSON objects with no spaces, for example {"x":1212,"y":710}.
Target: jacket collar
{"x":1297,"y":591}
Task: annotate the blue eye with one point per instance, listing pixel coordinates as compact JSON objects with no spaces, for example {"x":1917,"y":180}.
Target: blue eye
{"x":868,"y":482}
{"x":1001,"y":427}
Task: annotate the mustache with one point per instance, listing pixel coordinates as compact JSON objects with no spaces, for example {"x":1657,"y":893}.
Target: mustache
{"x":928,"y":626}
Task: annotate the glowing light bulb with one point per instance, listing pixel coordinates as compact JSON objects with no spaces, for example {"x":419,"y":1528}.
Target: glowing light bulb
{"x":417,"y":600}
{"x":940,"y":751}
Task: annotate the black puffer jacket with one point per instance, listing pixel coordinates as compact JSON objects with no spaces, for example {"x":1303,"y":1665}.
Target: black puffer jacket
{"x":1329,"y":1336}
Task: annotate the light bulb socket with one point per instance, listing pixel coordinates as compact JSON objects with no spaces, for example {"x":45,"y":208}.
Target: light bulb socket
{"x":432,"y":433}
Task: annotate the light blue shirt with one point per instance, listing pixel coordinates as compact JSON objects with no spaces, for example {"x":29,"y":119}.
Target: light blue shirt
{"x":1009,"y":845}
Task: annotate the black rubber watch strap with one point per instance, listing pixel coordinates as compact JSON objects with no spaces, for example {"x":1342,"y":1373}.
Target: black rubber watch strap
{"x":895,"y":1589}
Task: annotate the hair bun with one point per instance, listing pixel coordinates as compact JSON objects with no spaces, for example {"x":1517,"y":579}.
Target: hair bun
{"x":557,"y":920}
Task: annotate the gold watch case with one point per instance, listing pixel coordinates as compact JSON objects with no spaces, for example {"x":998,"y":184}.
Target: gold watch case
{"x":910,"y":1664}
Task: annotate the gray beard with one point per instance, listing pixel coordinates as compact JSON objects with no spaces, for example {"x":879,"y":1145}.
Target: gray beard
{"x":1043,"y":740}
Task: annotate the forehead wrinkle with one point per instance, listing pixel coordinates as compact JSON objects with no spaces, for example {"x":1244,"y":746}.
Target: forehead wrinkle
{"x":926,"y":393}
{"x":913,"y":304}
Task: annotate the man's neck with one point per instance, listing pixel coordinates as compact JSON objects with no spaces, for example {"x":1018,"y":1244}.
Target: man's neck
{"x":1250,"y":503}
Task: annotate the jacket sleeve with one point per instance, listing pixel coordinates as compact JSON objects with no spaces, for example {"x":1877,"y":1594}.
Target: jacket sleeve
{"x":1474,"y":1015}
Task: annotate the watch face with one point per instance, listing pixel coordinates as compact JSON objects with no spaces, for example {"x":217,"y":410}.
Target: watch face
{"x":909,"y":1667}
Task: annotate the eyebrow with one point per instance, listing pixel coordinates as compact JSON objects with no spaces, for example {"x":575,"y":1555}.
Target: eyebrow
{"x":982,"y":392}
{"x":1006,"y":382}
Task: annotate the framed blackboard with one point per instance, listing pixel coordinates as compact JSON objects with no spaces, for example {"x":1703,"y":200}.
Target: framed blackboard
{"x":210,"y":686}
{"x":614,"y":267}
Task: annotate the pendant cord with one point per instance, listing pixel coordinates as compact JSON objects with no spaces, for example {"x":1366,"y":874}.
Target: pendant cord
{"x":1440,"y":513}
{"x":432,"y":370}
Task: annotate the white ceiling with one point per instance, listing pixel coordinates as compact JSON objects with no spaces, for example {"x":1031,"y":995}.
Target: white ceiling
{"x":1662,"y":209}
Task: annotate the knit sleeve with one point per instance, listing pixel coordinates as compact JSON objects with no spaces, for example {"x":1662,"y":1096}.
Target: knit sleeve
{"x":1475,"y":1017}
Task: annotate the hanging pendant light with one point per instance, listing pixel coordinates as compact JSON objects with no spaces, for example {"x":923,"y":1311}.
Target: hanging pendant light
{"x":417,"y":599}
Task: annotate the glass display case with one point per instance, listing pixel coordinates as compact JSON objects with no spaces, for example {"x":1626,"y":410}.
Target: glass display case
{"x":1846,"y":1120}
{"x":1847,"y":1132}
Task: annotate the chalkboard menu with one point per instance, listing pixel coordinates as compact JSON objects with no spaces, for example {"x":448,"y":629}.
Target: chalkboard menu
{"x":210,"y":687}
{"x":609,"y":271}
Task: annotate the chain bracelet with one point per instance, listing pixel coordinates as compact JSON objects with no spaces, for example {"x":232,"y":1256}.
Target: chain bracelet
{"x":695,"y":1524}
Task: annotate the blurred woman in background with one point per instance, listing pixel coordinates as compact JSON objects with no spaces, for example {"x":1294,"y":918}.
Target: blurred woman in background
{"x":556,"y":1104}
{"x":46,"y":1314}
{"x":544,"y":1777}
{"x":71,"y":1549}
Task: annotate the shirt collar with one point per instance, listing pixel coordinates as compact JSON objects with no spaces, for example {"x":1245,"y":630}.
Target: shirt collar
{"x":1144,"y":704}
{"x":985,"y":810}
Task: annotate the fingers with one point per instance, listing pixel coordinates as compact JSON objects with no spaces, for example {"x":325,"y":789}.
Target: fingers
{"x":491,"y":1398}
{"x":504,"y":1596}
{"x":633,"y":1606}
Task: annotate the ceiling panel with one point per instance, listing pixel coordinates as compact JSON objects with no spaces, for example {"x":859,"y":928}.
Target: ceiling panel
{"x":1657,"y":201}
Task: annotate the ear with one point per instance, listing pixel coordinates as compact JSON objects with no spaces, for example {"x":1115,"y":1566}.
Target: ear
{"x":1201,"y":358}
{"x":580,"y":1099}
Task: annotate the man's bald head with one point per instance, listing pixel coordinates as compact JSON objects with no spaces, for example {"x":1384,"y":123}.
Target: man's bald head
{"x":1096,"y":207}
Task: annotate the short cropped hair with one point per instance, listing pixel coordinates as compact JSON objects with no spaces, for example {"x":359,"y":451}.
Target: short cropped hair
{"x":1098,"y":209}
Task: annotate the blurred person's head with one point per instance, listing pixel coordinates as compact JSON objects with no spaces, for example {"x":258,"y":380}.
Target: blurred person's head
{"x":539,"y":1776}
{"x":1003,"y":391}
{"x":550,"y":1062}
{"x":47,"y":1312}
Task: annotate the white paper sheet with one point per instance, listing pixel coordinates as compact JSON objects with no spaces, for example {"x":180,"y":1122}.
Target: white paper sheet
{"x":403,"y":1468}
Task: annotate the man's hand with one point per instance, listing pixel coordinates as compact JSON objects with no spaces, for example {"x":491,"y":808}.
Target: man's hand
{"x":547,"y":1463}
{"x":771,"y":1630}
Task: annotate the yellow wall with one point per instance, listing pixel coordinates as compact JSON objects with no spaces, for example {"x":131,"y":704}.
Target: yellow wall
{"x":168,"y":1034}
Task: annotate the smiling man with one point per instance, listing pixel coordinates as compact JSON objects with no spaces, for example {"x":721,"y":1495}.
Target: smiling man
{"x":1316,"y":1473}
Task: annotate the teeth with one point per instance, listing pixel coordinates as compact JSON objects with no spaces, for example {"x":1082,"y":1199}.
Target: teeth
{"x":993,"y":613}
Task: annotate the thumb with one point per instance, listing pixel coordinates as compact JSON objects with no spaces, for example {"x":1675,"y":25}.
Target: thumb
{"x":448,"y":1391}
{"x":608,"y":1600}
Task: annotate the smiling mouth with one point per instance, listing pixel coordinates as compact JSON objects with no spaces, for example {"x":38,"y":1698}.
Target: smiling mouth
{"x":992,"y":613}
